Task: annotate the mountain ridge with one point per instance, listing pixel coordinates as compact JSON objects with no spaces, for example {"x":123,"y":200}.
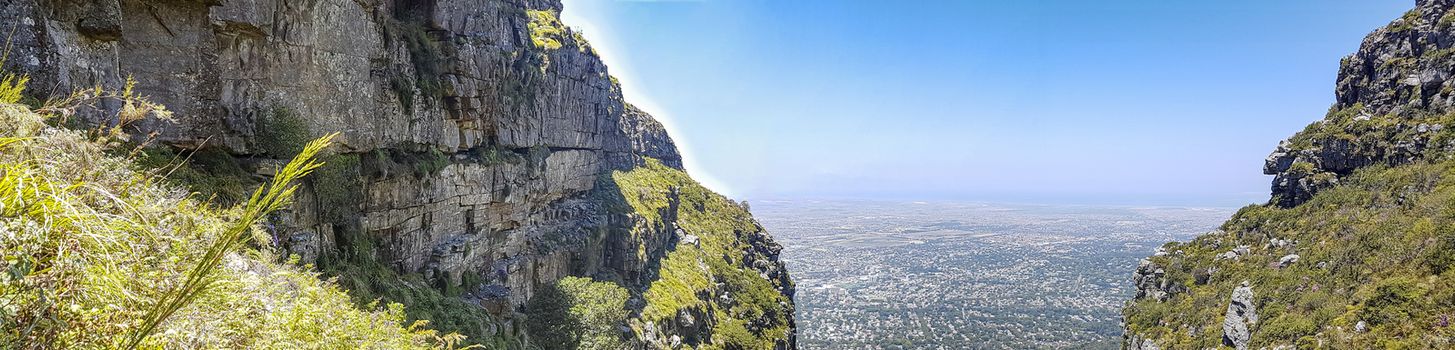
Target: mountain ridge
{"x":1351,"y":251}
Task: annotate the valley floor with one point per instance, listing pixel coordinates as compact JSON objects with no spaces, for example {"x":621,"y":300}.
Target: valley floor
{"x":937,"y":275}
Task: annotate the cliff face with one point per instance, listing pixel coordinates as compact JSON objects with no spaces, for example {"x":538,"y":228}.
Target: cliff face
{"x":478,"y":144}
{"x":1353,"y":250}
{"x":1400,"y":74}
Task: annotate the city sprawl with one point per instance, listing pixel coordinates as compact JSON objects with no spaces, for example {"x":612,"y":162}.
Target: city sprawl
{"x":938,"y":275}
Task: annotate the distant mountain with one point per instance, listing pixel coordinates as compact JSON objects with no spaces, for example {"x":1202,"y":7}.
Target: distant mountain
{"x":1356,"y":247}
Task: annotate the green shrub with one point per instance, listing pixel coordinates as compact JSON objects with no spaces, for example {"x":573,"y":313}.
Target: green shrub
{"x":578,"y":313}
{"x":1441,"y":256}
{"x":1289,"y":327}
{"x":369,"y":281}
{"x":431,"y":163}
{"x":1394,"y":300}
{"x":427,"y":57}
{"x":546,"y":30}
{"x":339,"y":187}
{"x":388,"y":162}
{"x":404,"y":89}
{"x":264,"y":202}
{"x":1407,"y":21}
{"x":210,"y":172}
{"x":495,"y":155}
{"x":282,"y":133}
{"x":12,"y":87}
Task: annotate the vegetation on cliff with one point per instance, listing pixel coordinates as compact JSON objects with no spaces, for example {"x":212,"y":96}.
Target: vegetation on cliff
{"x":498,"y":55}
{"x":708,"y":289}
{"x":1355,"y":250}
{"x":546,"y":30}
{"x":92,"y":243}
{"x":1372,"y":268}
{"x":711,"y":271}
{"x":578,"y":313}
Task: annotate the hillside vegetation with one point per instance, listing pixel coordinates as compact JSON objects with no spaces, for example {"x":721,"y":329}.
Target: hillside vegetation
{"x":1356,"y":247}
{"x":713,"y":272}
{"x":91,"y":244}
{"x":1373,"y":267}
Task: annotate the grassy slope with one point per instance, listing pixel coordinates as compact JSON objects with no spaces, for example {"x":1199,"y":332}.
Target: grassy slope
{"x":1385,"y":237}
{"x":89,"y":242}
{"x":758,"y":315}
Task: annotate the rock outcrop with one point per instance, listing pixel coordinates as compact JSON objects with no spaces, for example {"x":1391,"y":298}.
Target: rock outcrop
{"x":1242,"y":315}
{"x":1390,"y":97}
{"x":1348,"y":252}
{"x":1152,"y":282}
{"x":475,"y":135}
{"x":649,"y":137}
{"x":1137,"y":343}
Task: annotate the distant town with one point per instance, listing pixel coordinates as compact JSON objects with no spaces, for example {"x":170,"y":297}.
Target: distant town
{"x":937,"y":275}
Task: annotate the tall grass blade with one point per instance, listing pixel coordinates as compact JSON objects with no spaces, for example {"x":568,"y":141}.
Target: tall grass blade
{"x":265,"y":200}
{"x":11,"y":86}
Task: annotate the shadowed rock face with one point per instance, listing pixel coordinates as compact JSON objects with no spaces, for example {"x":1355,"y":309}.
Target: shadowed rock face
{"x":650,"y":138}
{"x":517,"y":112}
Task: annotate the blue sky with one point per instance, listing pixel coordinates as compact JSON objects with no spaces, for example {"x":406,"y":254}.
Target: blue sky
{"x":1126,"y":102}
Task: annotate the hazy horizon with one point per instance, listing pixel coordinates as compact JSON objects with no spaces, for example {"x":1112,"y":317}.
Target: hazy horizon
{"x":1144,"y":102}
{"x":1011,"y":200}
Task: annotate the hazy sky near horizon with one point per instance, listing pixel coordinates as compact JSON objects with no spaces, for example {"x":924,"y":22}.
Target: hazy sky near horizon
{"x":1129,"y":102}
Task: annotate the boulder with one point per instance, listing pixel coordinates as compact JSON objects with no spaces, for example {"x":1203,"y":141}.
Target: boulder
{"x":1242,"y":315}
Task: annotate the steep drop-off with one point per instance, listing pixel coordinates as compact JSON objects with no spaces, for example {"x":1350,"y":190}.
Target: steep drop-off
{"x":1355,"y":248}
{"x":485,"y":154}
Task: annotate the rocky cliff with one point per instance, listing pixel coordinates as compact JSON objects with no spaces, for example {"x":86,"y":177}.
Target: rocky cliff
{"x":1353,"y":250}
{"x":1400,"y":77}
{"x":480,"y":159}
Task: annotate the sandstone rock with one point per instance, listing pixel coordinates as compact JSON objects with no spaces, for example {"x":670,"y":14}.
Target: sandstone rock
{"x":1229,"y":255}
{"x":1287,"y":260}
{"x":1280,"y":160}
{"x":1240,"y":318}
{"x":1233,"y":254}
{"x":1134,"y":342}
{"x":1152,"y":283}
{"x":649,"y":137}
